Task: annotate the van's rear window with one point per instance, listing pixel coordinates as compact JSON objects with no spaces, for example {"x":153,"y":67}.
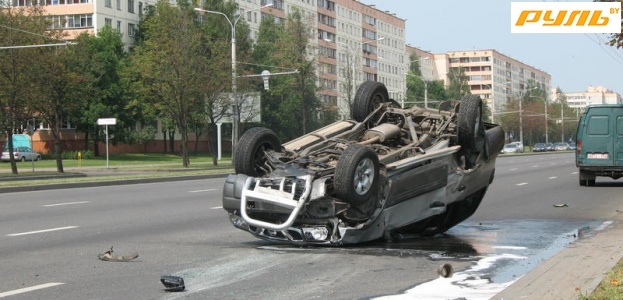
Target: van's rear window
{"x":598,"y":125}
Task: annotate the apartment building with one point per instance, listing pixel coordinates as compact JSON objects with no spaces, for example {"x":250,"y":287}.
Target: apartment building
{"x":77,"y":16}
{"x":592,"y":96}
{"x":495,"y":77}
{"x":355,"y":42}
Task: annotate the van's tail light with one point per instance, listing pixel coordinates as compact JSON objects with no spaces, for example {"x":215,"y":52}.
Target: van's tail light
{"x":579,"y":147}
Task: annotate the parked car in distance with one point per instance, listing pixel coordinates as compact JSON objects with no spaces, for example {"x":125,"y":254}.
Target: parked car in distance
{"x":510,"y":148}
{"x":561,"y":146}
{"x":21,"y":153}
{"x":573,"y":146}
{"x":539,"y":147}
{"x":550,"y":147}
{"x":519,"y":146}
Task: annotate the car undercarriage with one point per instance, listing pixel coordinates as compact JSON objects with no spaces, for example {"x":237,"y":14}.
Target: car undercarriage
{"x":387,"y":173}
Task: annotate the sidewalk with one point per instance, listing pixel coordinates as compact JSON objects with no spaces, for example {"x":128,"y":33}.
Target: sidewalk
{"x":577,"y":269}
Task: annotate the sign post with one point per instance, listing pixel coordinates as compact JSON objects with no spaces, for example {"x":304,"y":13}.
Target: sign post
{"x":106,"y":122}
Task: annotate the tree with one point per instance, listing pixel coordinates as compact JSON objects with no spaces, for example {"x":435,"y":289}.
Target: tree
{"x":616,"y":39}
{"x":457,"y":86}
{"x":173,"y":66}
{"x":290,"y":107}
{"x":18,"y":27}
{"x":103,"y":56}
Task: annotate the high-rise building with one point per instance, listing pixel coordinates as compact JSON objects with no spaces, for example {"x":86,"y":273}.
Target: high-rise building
{"x":77,"y":16}
{"x":355,"y":42}
{"x":495,"y":77}
{"x":592,"y":95}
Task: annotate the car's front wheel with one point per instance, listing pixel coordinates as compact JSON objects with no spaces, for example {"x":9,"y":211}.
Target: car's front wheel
{"x":249,"y":155}
{"x":357,"y":174}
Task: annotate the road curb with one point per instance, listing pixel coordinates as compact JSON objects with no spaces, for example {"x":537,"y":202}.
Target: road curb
{"x":58,"y":186}
{"x":576,"y":270}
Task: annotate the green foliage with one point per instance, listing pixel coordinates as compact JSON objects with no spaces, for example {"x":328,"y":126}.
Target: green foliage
{"x":616,"y":39}
{"x":457,"y":87}
{"x":82,"y":154}
{"x":290,"y":107}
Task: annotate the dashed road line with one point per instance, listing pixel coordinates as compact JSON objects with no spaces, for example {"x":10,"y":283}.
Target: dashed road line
{"x":520,"y":184}
{"x":68,"y":203}
{"x":201,"y":191}
{"x":216,"y":207}
{"x":42,"y":231}
{"x":30,"y":289}
{"x":553,"y":177}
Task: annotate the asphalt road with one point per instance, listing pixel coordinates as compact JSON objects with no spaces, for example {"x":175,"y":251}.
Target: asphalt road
{"x":49,"y":241}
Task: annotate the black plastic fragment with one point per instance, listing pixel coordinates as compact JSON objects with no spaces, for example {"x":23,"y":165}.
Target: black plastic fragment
{"x":172,"y":283}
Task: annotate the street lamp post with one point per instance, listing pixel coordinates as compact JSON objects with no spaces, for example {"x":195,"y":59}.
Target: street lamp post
{"x":234,"y":86}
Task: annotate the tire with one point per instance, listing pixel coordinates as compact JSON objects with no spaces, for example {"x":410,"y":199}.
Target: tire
{"x":23,"y":159}
{"x":38,"y":158}
{"x":590,"y":182}
{"x":357,"y":174}
{"x":471,"y":131}
{"x":368,"y":97}
{"x":249,"y":154}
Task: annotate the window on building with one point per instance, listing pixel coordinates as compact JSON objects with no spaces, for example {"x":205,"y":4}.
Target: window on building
{"x":131,"y":6}
{"x":140,"y":8}
{"x":369,"y":20}
{"x":326,"y":4}
{"x":108,"y":22}
{"x":369,"y":34}
{"x":108,"y":3}
{"x":119,"y":26}
{"x":118,"y":4}
{"x":131,"y":29}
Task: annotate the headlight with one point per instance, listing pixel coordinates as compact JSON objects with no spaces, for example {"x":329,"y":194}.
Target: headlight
{"x":318,"y":233}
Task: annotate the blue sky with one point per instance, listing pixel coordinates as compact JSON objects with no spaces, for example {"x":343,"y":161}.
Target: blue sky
{"x":574,"y":60}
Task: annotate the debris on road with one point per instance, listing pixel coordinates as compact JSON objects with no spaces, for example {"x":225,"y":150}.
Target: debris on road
{"x":172,"y":283}
{"x":108,"y":256}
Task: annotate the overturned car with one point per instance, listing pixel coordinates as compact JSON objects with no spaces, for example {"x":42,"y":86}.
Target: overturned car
{"x":388,"y":173}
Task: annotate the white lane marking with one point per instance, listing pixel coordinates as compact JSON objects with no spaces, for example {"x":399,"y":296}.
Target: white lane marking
{"x":520,"y":184}
{"x":201,"y":191}
{"x":573,"y":173}
{"x":42,"y":231}
{"x":513,"y":169}
{"x":67,"y":203}
{"x":29,"y":289}
{"x":216,"y":207}
{"x":553,"y":177}
{"x":535,"y":166}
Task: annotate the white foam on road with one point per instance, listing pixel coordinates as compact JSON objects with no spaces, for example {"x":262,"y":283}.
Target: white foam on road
{"x":471,"y":284}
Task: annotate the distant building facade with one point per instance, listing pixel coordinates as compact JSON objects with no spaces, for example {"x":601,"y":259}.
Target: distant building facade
{"x":592,"y":96}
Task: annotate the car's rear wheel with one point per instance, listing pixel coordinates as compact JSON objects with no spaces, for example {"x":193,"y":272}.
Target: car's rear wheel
{"x":369,"y":96}
{"x":357,"y":174}
{"x":470,"y":128}
{"x":249,"y":156}
{"x":23,"y":158}
{"x":38,"y":158}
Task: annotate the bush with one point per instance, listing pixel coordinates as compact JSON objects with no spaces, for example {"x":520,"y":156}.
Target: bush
{"x":86,"y":154}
